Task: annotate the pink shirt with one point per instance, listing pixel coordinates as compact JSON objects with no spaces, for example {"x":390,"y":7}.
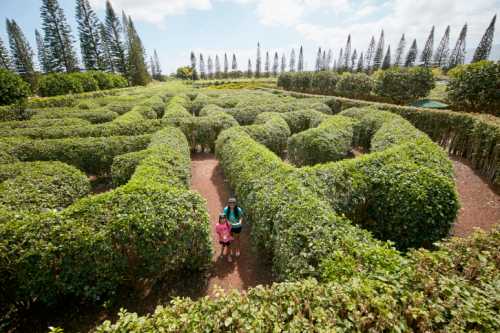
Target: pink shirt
{"x":224,"y":232}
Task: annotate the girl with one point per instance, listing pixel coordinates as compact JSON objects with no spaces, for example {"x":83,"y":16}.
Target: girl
{"x":234,"y":214}
{"x":223,"y":229}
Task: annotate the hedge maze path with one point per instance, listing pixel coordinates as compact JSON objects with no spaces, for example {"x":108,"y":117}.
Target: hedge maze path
{"x":244,"y":272}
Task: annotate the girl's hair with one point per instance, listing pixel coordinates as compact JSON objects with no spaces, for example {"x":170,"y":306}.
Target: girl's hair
{"x":221,"y":216}
{"x":236,"y":211}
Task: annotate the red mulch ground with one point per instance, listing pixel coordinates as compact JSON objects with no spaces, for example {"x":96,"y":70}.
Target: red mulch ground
{"x":480,"y":204}
{"x":245,"y":271}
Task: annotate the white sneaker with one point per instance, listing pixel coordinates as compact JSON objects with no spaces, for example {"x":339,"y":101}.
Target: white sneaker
{"x":229,"y":258}
{"x":238,"y":253}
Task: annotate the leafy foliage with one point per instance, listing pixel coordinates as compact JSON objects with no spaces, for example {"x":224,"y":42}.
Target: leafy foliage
{"x":12,"y":88}
{"x":403,"y":85}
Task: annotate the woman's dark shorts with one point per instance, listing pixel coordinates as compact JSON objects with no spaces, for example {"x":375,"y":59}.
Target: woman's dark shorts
{"x":225,"y":243}
{"x":236,"y":230}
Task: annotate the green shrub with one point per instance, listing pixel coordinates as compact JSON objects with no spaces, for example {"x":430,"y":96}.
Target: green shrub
{"x":324,"y":82}
{"x":330,"y":141}
{"x":52,"y":102}
{"x":13,"y":89}
{"x":299,"y":121}
{"x":37,"y":186}
{"x":404,"y":85}
{"x":475,"y":87}
{"x":43,"y":123}
{"x":356,"y":85}
{"x":87,"y":81}
{"x":123,"y":166}
{"x":271,"y":130}
{"x":59,"y":84}
{"x":94,"y":116}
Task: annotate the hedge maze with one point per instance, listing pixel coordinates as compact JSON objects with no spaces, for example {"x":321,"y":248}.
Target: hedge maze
{"x":339,"y":230}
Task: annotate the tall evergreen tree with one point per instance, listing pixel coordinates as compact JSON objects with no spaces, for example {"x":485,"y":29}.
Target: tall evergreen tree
{"x":156,"y":60}
{"x":116,"y":46}
{"x":258,"y":62}
{"x":22,"y":54}
{"x":267,"y":65}
{"x":398,"y":61}
{"x":57,"y":37}
{"x":5,"y":61}
{"x":203,"y":75}
{"x":106,"y":50}
{"x":217,"y":67}
{"x":457,"y":56}
{"x":360,"y":66}
{"x":426,"y":57}
{"x":353,"y":60}
{"x":443,"y":49}
{"x":226,"y":65}
{"x":283,"y":63}
{"x":90,"y":39}
{"x":234,"y":64}
{"x":412,"y":54}
{"x":136,"y":66}
{"x":369,"y":54}
{"x":300,"y":65}
{"x":43,"y":57}
{"x":387,"y":59}
{"x":317,"y":68}
{"x":292,"y":61}
{"x":275,"y":64}
{"x":194,"y":71}
{"x":249,"y":69}
{"x":484,"y":48}
{"x":379,"y":53}
{"x":323,"y":61}
{"x":329,"y":59}
{"x":210,"y":68}
{"x":347,"y":53}
{"x":340,"y":61}
{"x":153,"y":67}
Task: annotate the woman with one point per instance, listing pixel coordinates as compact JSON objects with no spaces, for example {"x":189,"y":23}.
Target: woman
{"x":234,"y":215}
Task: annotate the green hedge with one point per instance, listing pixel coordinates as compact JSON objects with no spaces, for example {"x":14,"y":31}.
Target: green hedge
{"x":330,"y":141}
{"x":123,"y":166}
{"x":271,"y":130}
{"x":94,"y":116}
{"x":93,"y":155}
{"x":13,"y":89}
{"x":8,"y":125}
{"x":72,"y":83}
{"x":38,"y":186}
{"x":302,"y":120}
{"x":453,"y":290}
{"x":355,"y":85}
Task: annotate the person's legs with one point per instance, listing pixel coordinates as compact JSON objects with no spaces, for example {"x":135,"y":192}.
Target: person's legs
{"x":229,"y":252}
{"x":236,"y":235}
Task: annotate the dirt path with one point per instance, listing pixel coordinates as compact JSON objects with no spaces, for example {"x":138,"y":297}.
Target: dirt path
{"x":480,"y":204}
{"x":246,"y":271}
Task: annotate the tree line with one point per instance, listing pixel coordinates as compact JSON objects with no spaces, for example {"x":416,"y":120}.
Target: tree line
{"x":376,"y":56}
{"x":112,"y":46}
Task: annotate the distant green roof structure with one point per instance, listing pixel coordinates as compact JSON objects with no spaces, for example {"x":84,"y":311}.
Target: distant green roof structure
{"x":429,"y":103}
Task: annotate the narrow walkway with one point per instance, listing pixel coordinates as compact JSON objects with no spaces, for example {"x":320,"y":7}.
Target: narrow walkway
{"x":246,"y":271}
{"x":480,"y":204}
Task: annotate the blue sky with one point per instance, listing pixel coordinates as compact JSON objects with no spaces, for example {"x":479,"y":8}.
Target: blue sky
{"x":175,"y":27}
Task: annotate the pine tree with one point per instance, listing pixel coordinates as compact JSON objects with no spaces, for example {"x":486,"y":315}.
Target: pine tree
{"x":412,"y":54}
{"x":369,"y":54}
{"x":379,"y":53}
{"x":136,"y":66}
{"x":399,"y":51}
{"x":116,"y":46}
{"x":353,"y":60}
{"x":360,"y":66}
{"x":329,"y":59}
{"x":323,"y":61}
{"x":267,"y":65}
{"x":217,"y":67}
{"x":283,"y":63}
{"x":43,"y":58}
{"x":226,"y":66}
{"x":334,"y":65}
{"x":318,"y":60}
{"x":258,"y":62}
{"x":300,"y":66}
{"x":90,"y":39}
{"x":57,"y":37}
{"x":426,"y":57}
{"x":157,"y":66}
{"x":210,"y":67}
{"x":249,"y":69}
{"x":441,"y":55}
{"x":347,"y":53}
{"x":5,"y":61}
{"x":153,"y":69}
{"x":106,"y":50}
{"x":484,"y":48}
{"x":275,"y":64}
{"x":387,"y":59}
{"x":203,"y":75}
{"x":22,"y":55}
{"x":292,"y":61}
{"x":340,"y":61}
{"x":194,"y":71}
{"x":458,"y":54}
{"x":234,"y":64}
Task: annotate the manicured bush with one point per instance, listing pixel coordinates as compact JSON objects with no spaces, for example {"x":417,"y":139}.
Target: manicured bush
{"x":356,"y":85}
{"x":37,"y":186}
{"x":87,"y":81}
{"x":330,"y":141}
{"x":324,"y":82}
{"x":43,"y":123}
{"x":59,"y":84}
{"x":404,"y":85}
{"x":299,"y":121}
{"x":271,"y":130}
{"x":475,"y":87}
{"x":123,"y":166}
{"x":52,"y":102}
{"x":13,"y":89}
{"x":94,"y":116}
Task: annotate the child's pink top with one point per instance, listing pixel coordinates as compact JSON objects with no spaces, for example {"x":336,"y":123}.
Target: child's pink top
{"x":224,"y":232}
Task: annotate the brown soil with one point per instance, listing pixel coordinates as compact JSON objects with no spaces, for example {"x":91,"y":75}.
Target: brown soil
{"x":245,"y":271}
{"x":99,"y":185}
{"x":480,"y":203}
